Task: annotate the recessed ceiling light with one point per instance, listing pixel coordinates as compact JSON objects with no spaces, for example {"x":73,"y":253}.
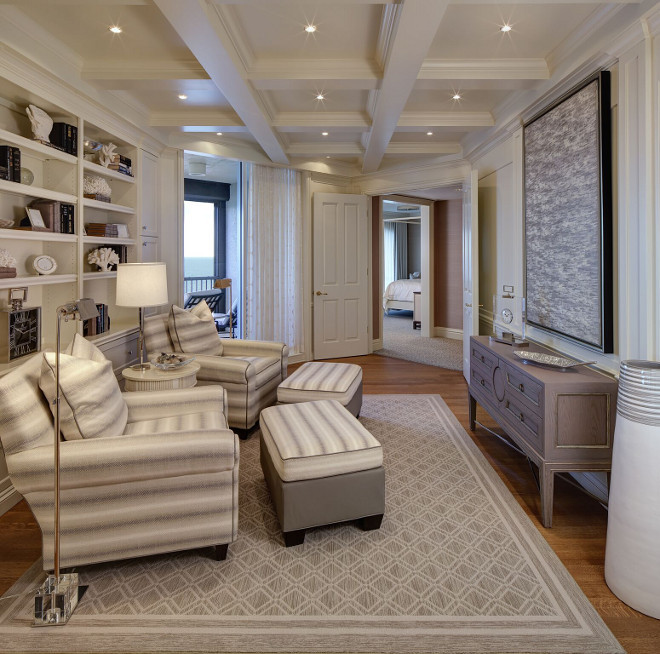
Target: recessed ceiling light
{"x":324,"y":133}
{"x":456,"y":96}
{"x":320,"y":96}
{"x":310,"y":29}
{"x":182,"y":96}
{"x":218,"y":133}
{"x":327,"y":156}
{"x":506,"y":28}
{"x":115,"y":29}
{"x":429,"y":133}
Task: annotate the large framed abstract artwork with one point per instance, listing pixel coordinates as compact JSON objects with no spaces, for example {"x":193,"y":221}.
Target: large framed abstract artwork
{"x":568,"y":216}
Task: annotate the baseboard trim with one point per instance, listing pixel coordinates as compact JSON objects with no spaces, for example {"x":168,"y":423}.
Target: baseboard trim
{"x":376,"y":344}
{"x":447,"y":332}
{"x":298,"y":358}
{"x":8,"y":498}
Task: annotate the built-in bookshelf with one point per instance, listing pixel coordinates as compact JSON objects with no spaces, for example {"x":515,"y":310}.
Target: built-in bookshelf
{"x":57,"y":176}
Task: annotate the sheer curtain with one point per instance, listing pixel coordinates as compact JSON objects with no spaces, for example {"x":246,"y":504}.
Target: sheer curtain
{"x":395,"y":246}
{"x":274,"y":265}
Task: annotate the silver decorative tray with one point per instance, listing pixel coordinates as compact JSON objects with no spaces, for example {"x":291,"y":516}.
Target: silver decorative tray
{"x":173,"y":361}
{"x":549,"y":360}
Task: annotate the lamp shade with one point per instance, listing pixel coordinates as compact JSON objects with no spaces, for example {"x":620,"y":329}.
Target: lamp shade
{"x":141,"y":284}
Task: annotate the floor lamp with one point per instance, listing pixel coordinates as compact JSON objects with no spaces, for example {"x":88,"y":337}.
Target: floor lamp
{"x":141,"y":285}
{"x":57,"y":598}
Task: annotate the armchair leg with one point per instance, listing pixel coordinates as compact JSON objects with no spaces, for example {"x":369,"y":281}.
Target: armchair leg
{"x":243,"y":434}
{"x":293,"y":538}
{"x":221,"y":552}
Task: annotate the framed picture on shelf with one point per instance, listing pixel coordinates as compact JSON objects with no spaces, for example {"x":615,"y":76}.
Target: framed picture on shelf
{"x":35,"y":221}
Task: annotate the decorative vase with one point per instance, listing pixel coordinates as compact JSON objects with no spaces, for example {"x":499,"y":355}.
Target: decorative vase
{"x":632,"y":554}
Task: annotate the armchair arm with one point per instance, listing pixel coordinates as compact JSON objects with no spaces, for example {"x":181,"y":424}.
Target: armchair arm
{"x":149,"y":405}
{"x":224,"y":369}
{"x":244,"y":348}
{"x":105,"y":461}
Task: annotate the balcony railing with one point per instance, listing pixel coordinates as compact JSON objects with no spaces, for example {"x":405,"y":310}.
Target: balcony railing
{"x":191,"y":284}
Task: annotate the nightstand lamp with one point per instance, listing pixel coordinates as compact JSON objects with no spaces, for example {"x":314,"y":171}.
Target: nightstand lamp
{"x":141,"y":285}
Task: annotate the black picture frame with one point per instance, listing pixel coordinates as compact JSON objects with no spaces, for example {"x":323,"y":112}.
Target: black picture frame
{"x":568,"y":267}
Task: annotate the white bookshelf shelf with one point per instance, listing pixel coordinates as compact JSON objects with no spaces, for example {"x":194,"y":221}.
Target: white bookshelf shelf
{"x":36,"y":149}
{"x":107,"y":206}
{"x":36,"y":192}
{"x":91,"y":276}
{"x":107,"y":240}
{"x":26,"y":235}
{"x":97,"y":169}
{"x":37,"y":280}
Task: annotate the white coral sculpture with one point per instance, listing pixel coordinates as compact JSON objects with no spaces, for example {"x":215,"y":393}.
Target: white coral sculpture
{"x":103,"y":258}
{"x":95,"y":185}
{"x":105,"y":156}
{"x":6,"y":260}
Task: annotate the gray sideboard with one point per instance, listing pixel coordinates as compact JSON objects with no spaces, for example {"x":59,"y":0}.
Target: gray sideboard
{"x":563,"y":421}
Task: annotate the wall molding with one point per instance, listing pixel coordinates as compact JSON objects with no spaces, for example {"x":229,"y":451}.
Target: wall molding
{"x":376,"y":344}
{"x":448,"y":332}
{"x":8,"y":497}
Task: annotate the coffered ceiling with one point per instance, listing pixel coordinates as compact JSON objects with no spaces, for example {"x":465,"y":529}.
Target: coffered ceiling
{"x":388,"y":71}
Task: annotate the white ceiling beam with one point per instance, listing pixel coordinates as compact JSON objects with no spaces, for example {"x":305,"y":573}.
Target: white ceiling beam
{"x":195,"y":117}
{"x":387,"y":2}
{"x":317,"y":149}
{"x":300,"y":121}
{"x":416,"y":26}
{"x":201,"y":28}
{"x":467,"y":119}
{"x":483,"y":69}
{"x":141,"y":69}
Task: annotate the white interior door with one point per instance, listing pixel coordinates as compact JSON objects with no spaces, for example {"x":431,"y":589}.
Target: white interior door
{"x":470,"y":267}
{"x":340,"y":276}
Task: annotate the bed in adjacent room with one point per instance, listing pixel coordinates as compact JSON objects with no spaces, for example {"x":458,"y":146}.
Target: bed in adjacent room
{"x":399,"y":294}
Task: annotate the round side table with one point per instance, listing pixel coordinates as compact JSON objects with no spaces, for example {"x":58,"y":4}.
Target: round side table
{"x":155,"y":379}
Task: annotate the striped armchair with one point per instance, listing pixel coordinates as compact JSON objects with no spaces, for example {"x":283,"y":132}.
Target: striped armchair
{"x":250,"y":371}
{"x":168,"y":483}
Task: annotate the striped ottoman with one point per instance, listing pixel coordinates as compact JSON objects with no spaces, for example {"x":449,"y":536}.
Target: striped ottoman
{"x":317,"y":380}
{"x":321,"y":466}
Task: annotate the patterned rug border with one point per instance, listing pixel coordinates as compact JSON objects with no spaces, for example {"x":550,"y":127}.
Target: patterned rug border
{"x":581,"y":630}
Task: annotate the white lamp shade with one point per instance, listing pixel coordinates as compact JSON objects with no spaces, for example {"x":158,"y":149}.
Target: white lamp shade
{"x":141,"y":284}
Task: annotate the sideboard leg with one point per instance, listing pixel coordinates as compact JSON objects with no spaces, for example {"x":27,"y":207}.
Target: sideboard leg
{"x":472,"y":412}
{"x":547,"y":479}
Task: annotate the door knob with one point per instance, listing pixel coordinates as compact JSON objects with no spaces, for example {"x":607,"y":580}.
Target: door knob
{"x":320,"y":293}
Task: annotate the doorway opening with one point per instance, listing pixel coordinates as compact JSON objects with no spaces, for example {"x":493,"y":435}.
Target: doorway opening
{"x":212,"y":239}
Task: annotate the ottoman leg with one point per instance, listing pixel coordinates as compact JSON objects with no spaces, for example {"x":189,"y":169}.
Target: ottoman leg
{"x":371,"y":522}
{"x":292,"y":538}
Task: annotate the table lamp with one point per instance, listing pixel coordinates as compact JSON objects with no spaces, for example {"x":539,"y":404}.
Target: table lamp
{"x":141,"y":285}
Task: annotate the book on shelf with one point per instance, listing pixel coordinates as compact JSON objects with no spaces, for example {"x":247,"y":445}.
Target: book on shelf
{"x":101,"y":229}
{"x":98,"y":325}
{"x":121,"y":159}
{"x":121,"y":168}
{"x":10,"y":163}
{"x":58,"y":216}
{"x":65,"y":137}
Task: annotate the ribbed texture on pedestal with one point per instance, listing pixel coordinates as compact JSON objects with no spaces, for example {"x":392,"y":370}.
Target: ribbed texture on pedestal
{"x":639,"y":392}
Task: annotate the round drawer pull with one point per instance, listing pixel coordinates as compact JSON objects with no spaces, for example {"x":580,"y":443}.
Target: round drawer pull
{"x":130,"y":352}
{"x":521,"y":387}
{"x":483,"y":359}
{"x":144,"y":244}
{"x":482,"y":382}
{"x":506,"y":404}
{"x":521,"y":417}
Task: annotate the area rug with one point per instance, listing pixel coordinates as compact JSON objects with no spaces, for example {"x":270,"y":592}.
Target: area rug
{"x":456,"y":567}
{"x":401,"y":341}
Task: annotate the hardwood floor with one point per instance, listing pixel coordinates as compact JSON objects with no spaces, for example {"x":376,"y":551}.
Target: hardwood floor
{"x":579,"y":522}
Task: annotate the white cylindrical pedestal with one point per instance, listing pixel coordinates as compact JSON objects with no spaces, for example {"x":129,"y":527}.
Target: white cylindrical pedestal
{"x":632,"y":556}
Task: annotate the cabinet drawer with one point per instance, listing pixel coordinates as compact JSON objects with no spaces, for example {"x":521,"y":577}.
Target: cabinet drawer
{"x":482,"y":382}
{"x":483,"y":358}
{"x":524,"y":388}
{"x":527,"y":423}
{"x":121,"y":352}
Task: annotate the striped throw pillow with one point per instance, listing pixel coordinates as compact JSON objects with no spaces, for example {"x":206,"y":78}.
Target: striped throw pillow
{"x":91,"y":404}
{"x":83,"y":349}
{"x":194,"y":331}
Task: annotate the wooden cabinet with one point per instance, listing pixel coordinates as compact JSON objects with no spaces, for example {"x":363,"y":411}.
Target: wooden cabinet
{"x":563,"y":421}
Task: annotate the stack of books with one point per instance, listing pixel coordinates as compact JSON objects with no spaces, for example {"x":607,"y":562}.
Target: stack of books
{"x":121,"y":164}
{"x":10,"y":163}
{"x":65,"y":137}
{"x":58,"y":216}
{"x":98,"y":325}
{"x":101,"y":229}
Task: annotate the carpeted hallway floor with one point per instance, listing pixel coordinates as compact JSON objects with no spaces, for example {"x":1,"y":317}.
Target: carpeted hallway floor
{"x":401,"y":341}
